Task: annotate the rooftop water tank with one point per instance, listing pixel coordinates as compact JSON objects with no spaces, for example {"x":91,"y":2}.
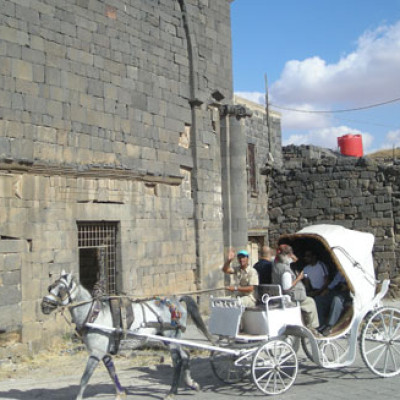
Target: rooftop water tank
{"x":351,"y":145}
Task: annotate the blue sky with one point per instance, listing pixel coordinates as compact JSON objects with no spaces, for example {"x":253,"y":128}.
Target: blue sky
{"x":322,"y":55}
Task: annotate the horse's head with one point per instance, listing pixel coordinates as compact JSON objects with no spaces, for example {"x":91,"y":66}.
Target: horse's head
{"x":61,"y":293}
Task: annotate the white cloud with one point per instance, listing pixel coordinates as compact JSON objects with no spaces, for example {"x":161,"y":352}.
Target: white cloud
{"x":367,"y":75}
{"x":291,"y":119}
{"x":303,"y":120}
{"x":392,"y":139}
{"x":327,"y":137}
{"x":255,"y":97}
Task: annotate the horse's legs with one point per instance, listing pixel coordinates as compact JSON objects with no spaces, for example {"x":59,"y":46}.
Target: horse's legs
{"x":180,"y":360}
{"x":108,"y":362}
{"x":177,"y":363}
{"x":91,"y":365}
{"x":187,"y":378}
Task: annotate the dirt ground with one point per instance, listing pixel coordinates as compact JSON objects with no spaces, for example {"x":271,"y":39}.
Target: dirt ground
{"x":72,"y":357}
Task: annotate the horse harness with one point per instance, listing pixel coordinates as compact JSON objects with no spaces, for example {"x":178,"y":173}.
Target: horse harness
{"x":161,"y":325}
{"x":121,"y":311}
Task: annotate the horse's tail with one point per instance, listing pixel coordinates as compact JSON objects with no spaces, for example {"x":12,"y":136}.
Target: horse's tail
{"x":193,"y":311}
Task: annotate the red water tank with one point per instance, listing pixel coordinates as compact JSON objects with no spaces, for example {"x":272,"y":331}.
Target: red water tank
{"x":351,"y":145}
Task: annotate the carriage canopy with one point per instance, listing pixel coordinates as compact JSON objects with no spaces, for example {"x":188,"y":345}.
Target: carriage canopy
{"x":342,"y":249}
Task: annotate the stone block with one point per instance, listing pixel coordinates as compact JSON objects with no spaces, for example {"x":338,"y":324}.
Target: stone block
{"x":10,"y":315}
{"x":14,"y":35}
{"x":5,"y":147}
{"x":53,"y":76}
{"x":11,"y":278}
{"x":22,"y":70}
{"x":16,"y":101}
{"x":95,"y":88}
{"x":31,"y":288}
{"x":28,"y":311}
{"x":22,"y":149}
{"x":139,"y":101}
{"x":10,"y":295}
{"x":73,"y":81}
{"x":11,"y":261}
{"x":13,"y":246}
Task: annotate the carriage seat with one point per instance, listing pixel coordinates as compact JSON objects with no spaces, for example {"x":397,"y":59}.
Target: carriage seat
{"x":272,"y":312}
{"x":263,"y":291}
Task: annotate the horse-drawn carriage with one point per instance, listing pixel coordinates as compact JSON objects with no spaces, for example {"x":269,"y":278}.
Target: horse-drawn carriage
{"x":275,"y":327}
{"x":262,"y":341}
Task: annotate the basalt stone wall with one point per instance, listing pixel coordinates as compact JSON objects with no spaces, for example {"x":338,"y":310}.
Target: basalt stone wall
{"x":107,"y":114}
{"x":317,"y":187}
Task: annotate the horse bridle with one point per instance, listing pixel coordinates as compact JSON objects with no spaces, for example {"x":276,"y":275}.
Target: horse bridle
{"x":64,"y":296}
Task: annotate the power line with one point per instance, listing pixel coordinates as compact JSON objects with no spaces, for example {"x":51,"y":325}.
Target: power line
{"x":366,"y":122}
{"x":336,"y":111}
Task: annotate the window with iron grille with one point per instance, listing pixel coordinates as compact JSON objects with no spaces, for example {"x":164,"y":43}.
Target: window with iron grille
{"x":97,"y":242}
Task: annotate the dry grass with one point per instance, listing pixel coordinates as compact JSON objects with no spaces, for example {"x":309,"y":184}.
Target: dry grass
{"x":67,"y":354}
{"x":385,"y":154}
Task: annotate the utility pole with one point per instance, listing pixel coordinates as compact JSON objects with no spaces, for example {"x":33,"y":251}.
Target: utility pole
{"x":267,"y":115}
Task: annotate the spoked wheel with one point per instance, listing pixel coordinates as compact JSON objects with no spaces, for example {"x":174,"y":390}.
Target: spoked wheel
{"x":274,"y":367}
{"x":230,"y":368}
{"x":293,"y":341}
{"x":380,"y":342}
{"x":332,"y":351}
{"x":306,"y":346}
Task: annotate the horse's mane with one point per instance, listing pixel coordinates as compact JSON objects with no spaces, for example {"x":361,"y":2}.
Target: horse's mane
{"x":82,"y":288}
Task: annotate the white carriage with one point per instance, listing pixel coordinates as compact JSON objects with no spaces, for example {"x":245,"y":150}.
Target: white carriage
{"x":263,"y":340}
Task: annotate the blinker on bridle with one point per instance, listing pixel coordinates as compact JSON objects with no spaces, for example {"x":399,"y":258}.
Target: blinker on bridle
{"x":64,"y":292}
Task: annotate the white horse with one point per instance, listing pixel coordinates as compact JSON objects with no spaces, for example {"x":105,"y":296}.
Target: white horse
{"x":166,"y":318}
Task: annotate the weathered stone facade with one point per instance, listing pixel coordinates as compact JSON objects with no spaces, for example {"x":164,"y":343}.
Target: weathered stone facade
{"x":317,"y":186}
{"x":267,"y":152}
{"x":115,"y":113}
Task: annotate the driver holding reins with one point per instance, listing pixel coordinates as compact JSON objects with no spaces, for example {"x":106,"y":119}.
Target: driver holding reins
{"x":246,"y":277}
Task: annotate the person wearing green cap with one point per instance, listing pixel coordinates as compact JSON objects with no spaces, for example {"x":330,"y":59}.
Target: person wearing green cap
{"x":246,"y":277}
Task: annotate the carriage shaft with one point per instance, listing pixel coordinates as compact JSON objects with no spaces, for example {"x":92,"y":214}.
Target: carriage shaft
{"x":181,"y":342}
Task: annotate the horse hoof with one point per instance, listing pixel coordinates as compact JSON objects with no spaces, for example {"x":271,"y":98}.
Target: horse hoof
{"x":194,"y":386}
{"x":120,"y":396}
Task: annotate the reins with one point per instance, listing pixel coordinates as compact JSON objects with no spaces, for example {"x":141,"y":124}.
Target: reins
{"x":133,"y":299}
{"x":141,"y":299}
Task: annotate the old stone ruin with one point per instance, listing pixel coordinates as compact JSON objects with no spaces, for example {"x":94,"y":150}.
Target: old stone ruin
{"x":317,"y":186}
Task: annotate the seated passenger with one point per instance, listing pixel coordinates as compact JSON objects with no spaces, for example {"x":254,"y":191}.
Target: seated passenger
{"x":292,"y":285}
{"x":264,"y":266}
{"x":331,"y":303}
{"x":316,"y":274}
{"x":246,"y":277}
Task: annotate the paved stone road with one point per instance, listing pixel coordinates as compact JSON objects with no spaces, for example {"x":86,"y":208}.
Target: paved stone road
{"x":354,"y":382}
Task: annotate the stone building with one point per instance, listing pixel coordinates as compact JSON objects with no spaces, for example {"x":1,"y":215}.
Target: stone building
{"x":122,"y":151}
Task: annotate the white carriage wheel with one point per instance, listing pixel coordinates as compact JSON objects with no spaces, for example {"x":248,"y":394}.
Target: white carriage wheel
{"x":294,"y":341}
{"x":225,"y":368}
{"x":332,"y":351}
{"x":274,"y":367}
{"x":380,"y":342}
{"x":306,"y":346}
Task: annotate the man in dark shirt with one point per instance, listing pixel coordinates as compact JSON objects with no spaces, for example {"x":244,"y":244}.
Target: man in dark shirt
{"x":264,"y":266}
